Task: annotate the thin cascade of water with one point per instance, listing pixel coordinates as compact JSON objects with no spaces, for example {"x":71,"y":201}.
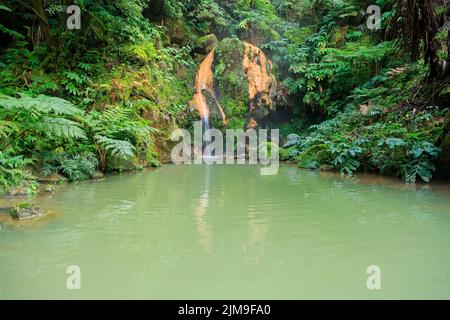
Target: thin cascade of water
{"x":206,"y":137}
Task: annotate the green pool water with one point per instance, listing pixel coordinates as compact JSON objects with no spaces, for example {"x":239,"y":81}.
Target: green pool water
{"x":213,"y":232}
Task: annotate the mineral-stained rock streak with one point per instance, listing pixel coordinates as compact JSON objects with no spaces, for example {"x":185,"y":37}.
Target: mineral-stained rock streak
{"x":204,"y":81}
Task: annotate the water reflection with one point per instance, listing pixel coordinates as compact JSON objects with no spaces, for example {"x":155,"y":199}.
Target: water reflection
{"x":255,"y":247}
{"x":216,"y":198}
{"x":203,"y":229}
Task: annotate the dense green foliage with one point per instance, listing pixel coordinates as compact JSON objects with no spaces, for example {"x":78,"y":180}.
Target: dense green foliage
{"x":77,"y":101}
{"x":105,"y":97}
{"x":368,"y":135}
{"x":379,"y":114}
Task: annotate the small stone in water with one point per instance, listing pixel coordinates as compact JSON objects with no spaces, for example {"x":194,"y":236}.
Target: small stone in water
{"x":25,"y":211}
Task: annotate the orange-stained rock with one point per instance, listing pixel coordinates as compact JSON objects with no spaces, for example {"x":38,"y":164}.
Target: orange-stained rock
{"x":243,"y":61}
{"x":259,"y":74}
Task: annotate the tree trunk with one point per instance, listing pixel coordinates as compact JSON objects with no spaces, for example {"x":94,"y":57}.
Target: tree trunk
{"x":416,"y":21}
{"x":37,"y":6}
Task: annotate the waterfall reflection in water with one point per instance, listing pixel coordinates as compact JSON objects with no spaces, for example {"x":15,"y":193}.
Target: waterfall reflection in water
{"x":203,"y":229}
{"x":257,"y":230}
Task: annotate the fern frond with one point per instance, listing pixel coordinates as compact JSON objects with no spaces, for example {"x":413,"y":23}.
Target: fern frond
{"x":61,"y":127}
{"x":6,"y":128}
{"x":44,"y":104}
{"x":118,"y":148}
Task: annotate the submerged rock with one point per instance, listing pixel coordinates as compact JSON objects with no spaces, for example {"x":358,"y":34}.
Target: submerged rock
{"x":26,"y":211}
{"x":235,"y":83}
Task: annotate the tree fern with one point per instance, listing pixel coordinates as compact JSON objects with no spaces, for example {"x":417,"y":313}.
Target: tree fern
{"x":40,"y":117}
{"x":120,"y":123}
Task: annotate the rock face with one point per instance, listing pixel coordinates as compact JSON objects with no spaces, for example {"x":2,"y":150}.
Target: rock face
{"x":262,"y":85}
{"x":26,"y":211}
{"x":235,"y":84}
{"x":443,"y":162}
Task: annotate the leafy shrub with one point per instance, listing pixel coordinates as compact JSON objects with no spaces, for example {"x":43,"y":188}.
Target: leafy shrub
{"x":12,"y":171}
{"x":421,"y":161}
{"x":347,"y":157}
{"x":75,"y":167}
{"x":116,"y":131}
{"x":30,"y":122}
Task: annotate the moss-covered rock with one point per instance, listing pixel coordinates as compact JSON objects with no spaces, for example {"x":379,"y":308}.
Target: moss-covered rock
{"x":206,"y":43}
{"x":230,"y":81}
{"x":229,"y":75}
{"x":146,"y":156}
{"x":26,"y":211}
{"x":51,"y":178}
{"x":176,"y":31}
{"x":117,"y":164}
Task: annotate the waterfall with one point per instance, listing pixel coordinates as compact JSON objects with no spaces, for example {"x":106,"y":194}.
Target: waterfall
{"x":206,"y":137}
